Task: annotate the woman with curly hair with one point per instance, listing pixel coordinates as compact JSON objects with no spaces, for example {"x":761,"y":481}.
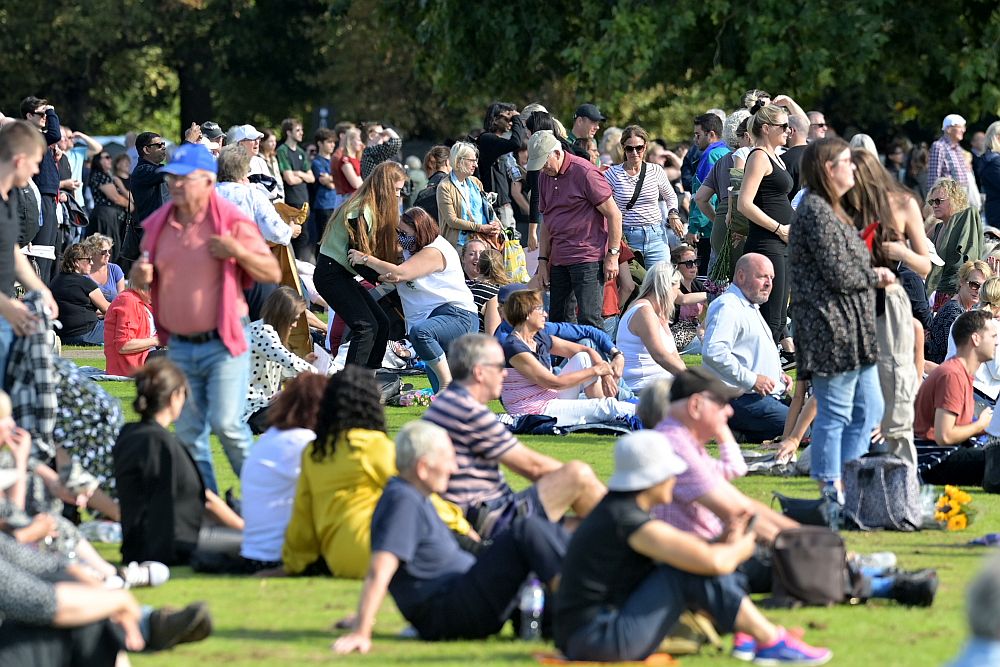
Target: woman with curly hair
{"x":958,"y":238}
{"x":343,"y":473}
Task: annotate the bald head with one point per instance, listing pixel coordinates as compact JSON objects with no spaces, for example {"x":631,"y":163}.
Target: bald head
{"x":753,"y":275}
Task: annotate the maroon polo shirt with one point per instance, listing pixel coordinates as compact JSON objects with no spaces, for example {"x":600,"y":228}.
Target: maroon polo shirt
{"x":569,"y":203}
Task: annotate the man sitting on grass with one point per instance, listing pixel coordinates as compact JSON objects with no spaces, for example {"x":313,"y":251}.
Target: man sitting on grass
{"x":443,"y":591}
{"x":482,"y":443}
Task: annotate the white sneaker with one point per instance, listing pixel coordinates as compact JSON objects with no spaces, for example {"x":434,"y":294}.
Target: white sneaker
{"x":146,"y":573}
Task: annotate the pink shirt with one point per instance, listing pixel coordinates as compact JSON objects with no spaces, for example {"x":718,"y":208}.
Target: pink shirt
{"x":703,"y":475}
{"x":569,"y":203}
{"x":189,"y":278}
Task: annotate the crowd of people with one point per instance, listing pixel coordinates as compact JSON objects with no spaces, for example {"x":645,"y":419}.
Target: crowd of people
{"x":562,"y":275}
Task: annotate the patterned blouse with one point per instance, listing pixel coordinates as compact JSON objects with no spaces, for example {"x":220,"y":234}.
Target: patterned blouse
{"x":97,"y":179}
{"x":270,"y":361}
{"x":833,"y":292}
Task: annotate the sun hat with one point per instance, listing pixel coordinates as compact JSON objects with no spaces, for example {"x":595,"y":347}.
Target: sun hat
{"x":643,"y":459}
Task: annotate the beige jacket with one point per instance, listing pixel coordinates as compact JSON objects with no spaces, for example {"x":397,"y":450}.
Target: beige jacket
{"x":449,"y":201}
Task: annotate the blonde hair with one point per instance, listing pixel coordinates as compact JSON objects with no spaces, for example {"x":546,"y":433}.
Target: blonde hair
{"x":989,"y":293}
{"x":658,"y":287}
{"x":610,"y":144}
{"x":767,"y":115}
{"x":972,"y":266}
{"x":462,"y":149}
{"x":954,"y":191}
{"x":993,"y":137}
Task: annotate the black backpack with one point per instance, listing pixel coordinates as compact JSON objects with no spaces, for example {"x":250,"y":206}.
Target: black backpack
{"x":810,"y":568}
{"x":427,"y":198}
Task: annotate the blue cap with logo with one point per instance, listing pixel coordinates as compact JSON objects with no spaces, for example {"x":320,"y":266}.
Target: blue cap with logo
{"x":188,"y":158}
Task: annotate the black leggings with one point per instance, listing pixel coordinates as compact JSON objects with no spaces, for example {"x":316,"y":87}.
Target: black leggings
{"x":775,"y":309}
{"x":349,"y":299}
{"x":92,"y":645}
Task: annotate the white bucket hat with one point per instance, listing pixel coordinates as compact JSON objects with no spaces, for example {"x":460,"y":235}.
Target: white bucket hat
{"x":642,"y":460}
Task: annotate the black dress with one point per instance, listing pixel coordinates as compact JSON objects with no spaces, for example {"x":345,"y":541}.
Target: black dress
{"x":772,"y":199}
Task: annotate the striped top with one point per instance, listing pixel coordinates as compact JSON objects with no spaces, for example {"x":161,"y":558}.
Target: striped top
{"x":520,"y":395}
{"x":654,"y":188}
{"x":481,"y":293}
{"x":479,"y":440}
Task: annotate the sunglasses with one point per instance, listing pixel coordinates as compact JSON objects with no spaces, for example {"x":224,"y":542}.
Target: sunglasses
{"x":635,"y":149}
{"x":937,"y":201}
{"x":783,"y":126}
{"x":817,"y":124}
{"x":159,"y":145}
{"x":690,"y":263}
{"x":974,"y":284}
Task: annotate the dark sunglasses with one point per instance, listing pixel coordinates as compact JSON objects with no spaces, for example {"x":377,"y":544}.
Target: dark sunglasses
{"x":783,"y":126}
{"x":159,"y":145}
{"x":974,"y":284}
{"x":817,"y":124}
{"x":635,"y":149}
{"x":937,"y":201}
{"x":690,"y":263}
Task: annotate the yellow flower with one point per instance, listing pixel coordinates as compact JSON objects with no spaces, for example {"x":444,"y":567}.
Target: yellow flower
{"x":957,"y":522}
{"x":950,"y":490}
{"x":955,"y":509}
{"x":940,"y":516}
{"x":963,"y":497}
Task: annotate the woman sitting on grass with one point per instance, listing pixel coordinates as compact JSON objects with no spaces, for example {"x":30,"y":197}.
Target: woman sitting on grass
{"x":167,"y":513}
{"x":343,"y":474}
{"x":270,"y":359}
{"x":531,"y":387}
{"x":627,"y":577}
{"x":271,"y":471}
{"x":81,"y":303}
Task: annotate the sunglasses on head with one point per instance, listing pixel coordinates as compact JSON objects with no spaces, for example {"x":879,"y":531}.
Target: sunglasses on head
{"x":635,"y":149}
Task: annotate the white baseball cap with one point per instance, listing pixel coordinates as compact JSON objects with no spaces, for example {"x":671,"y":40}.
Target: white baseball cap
{"x":952,"y":119}
{"x":245,"y":132}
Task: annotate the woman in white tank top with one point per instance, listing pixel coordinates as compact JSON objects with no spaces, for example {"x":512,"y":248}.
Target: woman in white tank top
{"x":437,"y":303}
{"x":643,"y":334}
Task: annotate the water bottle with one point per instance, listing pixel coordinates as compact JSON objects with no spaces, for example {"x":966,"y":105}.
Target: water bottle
{"x":881,"y":561}
{"x":833,"y":506}
{"x":532,"y":605}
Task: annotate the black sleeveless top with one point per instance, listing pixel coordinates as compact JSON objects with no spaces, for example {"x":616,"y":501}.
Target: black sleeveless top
{"x":772,"y":199}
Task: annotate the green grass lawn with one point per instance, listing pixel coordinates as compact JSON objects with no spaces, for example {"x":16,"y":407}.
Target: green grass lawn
{"x":288,"y":622}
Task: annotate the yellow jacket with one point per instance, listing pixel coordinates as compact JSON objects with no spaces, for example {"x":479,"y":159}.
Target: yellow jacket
{"x":334,"y":502}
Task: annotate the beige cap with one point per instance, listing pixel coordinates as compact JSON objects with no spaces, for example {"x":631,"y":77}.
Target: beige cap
{"x":540,"y":145}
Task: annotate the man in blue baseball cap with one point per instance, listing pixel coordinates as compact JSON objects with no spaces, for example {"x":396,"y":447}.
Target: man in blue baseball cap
{"x":199,"y":253}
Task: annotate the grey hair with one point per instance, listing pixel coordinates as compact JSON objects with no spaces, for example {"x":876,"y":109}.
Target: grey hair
{"x":658,"y":287}
{"x":798,"y":122}
{"x":982,"y":601}
{"x":234,"y":163}
{"x":418,"y":440}
{"x":529,"y":109}
{"x":654,"y":401}
{"x":721,"y":113}
{"x":466,"y":353}
{"x":460,"y":150}
{"x":730,"y":126}
{"x":865,"y":142}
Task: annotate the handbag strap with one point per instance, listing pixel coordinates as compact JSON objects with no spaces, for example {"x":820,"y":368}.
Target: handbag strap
{"x":638,"y":187}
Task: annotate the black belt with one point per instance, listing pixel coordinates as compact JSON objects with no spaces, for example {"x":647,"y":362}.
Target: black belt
{"x":205,"y":336}
{"x":198,"y":338}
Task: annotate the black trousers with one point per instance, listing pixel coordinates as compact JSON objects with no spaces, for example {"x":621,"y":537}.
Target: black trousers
{"x":48,"y":235}
{"x":349,"y":299}
{"x":93,"y":645}
{"x":479,"y":602}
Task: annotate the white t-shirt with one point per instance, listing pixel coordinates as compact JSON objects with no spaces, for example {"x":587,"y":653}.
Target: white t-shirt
{"x":421,"y":296}
{"x":270,"y":475}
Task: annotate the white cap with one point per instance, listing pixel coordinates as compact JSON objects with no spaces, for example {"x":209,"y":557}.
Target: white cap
{"x":643,"y":459}
{"x":244,"y":132}
{"x":952,"y":119}
{"x":933,"y":254}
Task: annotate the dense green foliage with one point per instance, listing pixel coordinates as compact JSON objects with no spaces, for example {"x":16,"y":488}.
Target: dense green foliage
{"x":430,"y":66}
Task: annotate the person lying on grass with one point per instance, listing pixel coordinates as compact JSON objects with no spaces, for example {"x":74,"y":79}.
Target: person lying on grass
{"x":627,"y":577}
{"x":444,"y":592}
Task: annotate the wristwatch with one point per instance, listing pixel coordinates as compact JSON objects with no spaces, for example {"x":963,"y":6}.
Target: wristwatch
{"x":614,"y":352}
{"x":614,"y":251}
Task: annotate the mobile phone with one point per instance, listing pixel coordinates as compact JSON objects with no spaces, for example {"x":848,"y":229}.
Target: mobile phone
{"x":751,"y":524}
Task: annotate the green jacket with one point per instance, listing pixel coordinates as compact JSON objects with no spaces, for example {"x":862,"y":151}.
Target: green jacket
{"x":957,"y":241}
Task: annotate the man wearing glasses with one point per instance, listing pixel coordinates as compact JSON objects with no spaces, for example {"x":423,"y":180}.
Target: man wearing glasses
{"x":817,"y":126}
{"x":43,"y":115}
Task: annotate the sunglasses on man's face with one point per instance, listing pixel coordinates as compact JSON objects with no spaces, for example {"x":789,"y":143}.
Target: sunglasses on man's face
{"x":689,"y":263}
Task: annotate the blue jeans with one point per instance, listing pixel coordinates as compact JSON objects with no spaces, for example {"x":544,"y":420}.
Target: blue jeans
{"x":633,"y":629}
{"x":650,"y":240}
{"x":218,"y":395}
{"x":432,"y":337}
{"x":6,"y":341}
{"x":848,"y":406}
{"x":93,"y":337}
{"x":586,"y":281}
{"x":758,"y":417}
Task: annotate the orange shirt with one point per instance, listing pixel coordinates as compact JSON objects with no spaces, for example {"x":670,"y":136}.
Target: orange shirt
{"x":189,"y":278}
